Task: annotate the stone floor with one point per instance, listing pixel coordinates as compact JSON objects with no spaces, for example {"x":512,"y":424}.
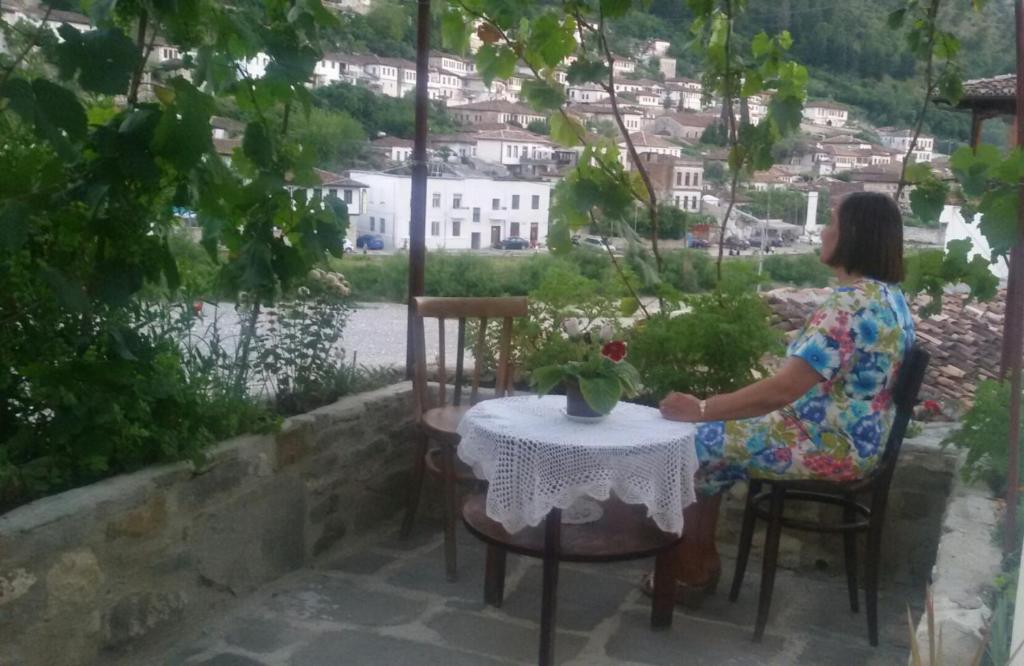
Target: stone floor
{"x":387,"y":602}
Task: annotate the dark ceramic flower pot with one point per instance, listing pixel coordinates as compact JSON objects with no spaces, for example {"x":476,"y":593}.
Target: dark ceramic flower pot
{"x":575,"y":405}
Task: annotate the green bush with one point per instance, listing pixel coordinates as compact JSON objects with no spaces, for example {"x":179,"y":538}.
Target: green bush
{"x":802,"y":270}
{"x":984,"y":434}
{"x":714,"y":347}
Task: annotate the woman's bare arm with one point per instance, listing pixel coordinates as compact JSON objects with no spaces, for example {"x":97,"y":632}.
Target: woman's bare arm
{"x":794,"y":379}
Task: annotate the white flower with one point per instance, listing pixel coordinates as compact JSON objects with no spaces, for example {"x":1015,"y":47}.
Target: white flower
{"x":606,"y":334}
{"x":315,"y":274}
{"x":303,"y":291}
{"x":572,"y":327}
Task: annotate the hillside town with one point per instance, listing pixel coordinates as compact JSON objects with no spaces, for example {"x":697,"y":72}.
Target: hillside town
{"x":492,"y":180}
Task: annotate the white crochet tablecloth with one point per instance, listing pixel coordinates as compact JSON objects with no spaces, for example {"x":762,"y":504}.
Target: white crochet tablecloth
{"x":535,"y":459}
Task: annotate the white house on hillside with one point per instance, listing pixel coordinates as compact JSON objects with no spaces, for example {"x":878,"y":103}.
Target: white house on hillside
{"x":465,"y":209}
{"x":826,"y":113}
{"x":497,"y":111}
{"x":899,"y":140}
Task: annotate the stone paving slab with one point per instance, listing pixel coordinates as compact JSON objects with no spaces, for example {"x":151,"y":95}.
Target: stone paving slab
{"x":387,"y":602}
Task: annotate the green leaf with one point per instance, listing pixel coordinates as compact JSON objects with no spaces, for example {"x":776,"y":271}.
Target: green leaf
{"x":586,"y":71}
{"x":895,"y":19}
{"x":551,"y":38}
{"x":615,"y":8}
{"x":543,"y":95}
{"x":972,"y":167}
{"x":60,"y":108}
{"x":998,"y":210}
{"x":19,"y":98}
{"x":565,"y":130}
{"x":257,"y":145}
{"x":103,"y":60}
{"x":918,"y":172}
{"x":455,"y":31}
{"x":761,"y":45}
{"x":628,"y":306}
{"x":495,"y":62}
{"x":13,"y":226}
{"x":928,"y":199}
{"x":601,"y":393}
{"x":544,"y":379}
{"x":182,"y":135}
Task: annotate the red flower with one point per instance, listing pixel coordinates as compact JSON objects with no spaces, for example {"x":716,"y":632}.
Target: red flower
{"x":197,"y":307}
{"x":614,"y":350}
{"x":932,"y":406}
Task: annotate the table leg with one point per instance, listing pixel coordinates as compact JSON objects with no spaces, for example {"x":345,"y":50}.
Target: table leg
{"x":664,"y":597}
{"x":552,"y":546}
{"x":494,"y":576}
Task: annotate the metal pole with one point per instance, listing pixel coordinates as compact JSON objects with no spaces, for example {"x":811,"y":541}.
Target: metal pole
{"x":1013,"y":334}
{"x":418,"y":203}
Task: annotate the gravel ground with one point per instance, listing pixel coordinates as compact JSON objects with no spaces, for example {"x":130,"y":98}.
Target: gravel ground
{"x":374,"y":336}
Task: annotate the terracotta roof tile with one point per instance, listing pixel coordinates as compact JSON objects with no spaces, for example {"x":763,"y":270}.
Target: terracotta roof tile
{"x":964,"y":340}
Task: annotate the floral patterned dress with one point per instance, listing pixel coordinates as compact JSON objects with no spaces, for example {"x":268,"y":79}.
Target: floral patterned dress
{"x":856,"y":341}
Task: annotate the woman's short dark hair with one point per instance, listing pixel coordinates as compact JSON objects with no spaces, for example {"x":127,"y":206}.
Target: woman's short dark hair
{"x":870,"y":239}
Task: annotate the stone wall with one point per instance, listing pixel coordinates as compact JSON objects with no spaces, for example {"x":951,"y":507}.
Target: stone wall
{"x":96,"y":569}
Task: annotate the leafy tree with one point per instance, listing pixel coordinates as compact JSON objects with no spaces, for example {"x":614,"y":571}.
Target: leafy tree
{"x":338,"y":139}
{"x":539,"y":127}
{"x":379,"y":113}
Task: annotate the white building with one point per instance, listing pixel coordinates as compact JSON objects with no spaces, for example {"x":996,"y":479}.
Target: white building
{"x":827,"y":114}
{"x":393,"y":148}
{"x":645,"y":142}
{"x":587,"y":93}
{"x":512,"y":147}
{"x":465,"y":209}
{"x":329,"y":184}
{"x":632,"y":117}
{"x":497,"y":111}
{"x":899,"y":140}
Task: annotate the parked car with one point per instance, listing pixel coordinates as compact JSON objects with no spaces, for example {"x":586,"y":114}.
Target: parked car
{"x":735,"y":243}
{"x":513,"y":243}
{"x":699,"y":244}
{"x":370,"y":242}
{"x":593,"y":243}
{"x":347,"y":247}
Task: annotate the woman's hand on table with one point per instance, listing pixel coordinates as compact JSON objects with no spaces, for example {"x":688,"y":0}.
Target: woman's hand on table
{"x":680,"y":407}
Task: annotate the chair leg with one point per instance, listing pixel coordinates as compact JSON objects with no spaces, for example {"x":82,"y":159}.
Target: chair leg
{"x":873,"y":560}
{"x":448,"y":469}
{"x":663,"y":598}
{"x":549,"y":594}
{"x":494,"y":576}
{"x":850,"y":557}
{"x":746,"y":538}
{"x":771,"y":556}
{"x":419,"y":468}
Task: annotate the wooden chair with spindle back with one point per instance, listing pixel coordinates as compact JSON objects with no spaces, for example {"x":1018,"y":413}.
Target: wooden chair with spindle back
{"x":438,"y":421}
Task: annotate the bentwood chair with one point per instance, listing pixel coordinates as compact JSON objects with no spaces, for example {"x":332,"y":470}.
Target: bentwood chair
{"x":857,"y":517}
{"x":437,"y":421}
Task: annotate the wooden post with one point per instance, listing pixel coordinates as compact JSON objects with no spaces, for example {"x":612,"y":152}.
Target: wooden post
{"x":1013,"y":326}
{"x":418,"y":202}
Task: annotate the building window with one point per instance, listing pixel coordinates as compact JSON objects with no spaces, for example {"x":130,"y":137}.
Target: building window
{"x":332,"y":192}
{"x":348,"y":196}
{"x":508,"y":150}
{"x":373,"y":224}
{"x":456,"y":227}
{"x":679,"y":179}
{"x":677,"y":202}
{"x":535,"y":202}
{"x":317,"y":192}
{"x":495,"y":204}
{"x":436,"y":200}
{"x":513,"y":229}
{"x":456,"y":201}
{"x":435,"y":228}
{"x":696,"y":179}
{"x":382,"y":225}
{"x":515,"y":202}
{"x":476,"y":214}
{"x":687,"y":179}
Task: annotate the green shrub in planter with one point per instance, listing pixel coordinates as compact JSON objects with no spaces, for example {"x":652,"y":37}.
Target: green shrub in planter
{"x":714,"y":347}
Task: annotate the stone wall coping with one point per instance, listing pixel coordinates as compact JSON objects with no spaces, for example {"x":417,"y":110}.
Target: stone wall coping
{"x":135,"y":485}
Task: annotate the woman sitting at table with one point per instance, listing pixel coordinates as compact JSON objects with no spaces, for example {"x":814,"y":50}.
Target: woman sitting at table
{"x":826,"y":413}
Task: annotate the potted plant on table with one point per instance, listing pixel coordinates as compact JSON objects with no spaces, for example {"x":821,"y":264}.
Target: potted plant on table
{"x":592,"y":368}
